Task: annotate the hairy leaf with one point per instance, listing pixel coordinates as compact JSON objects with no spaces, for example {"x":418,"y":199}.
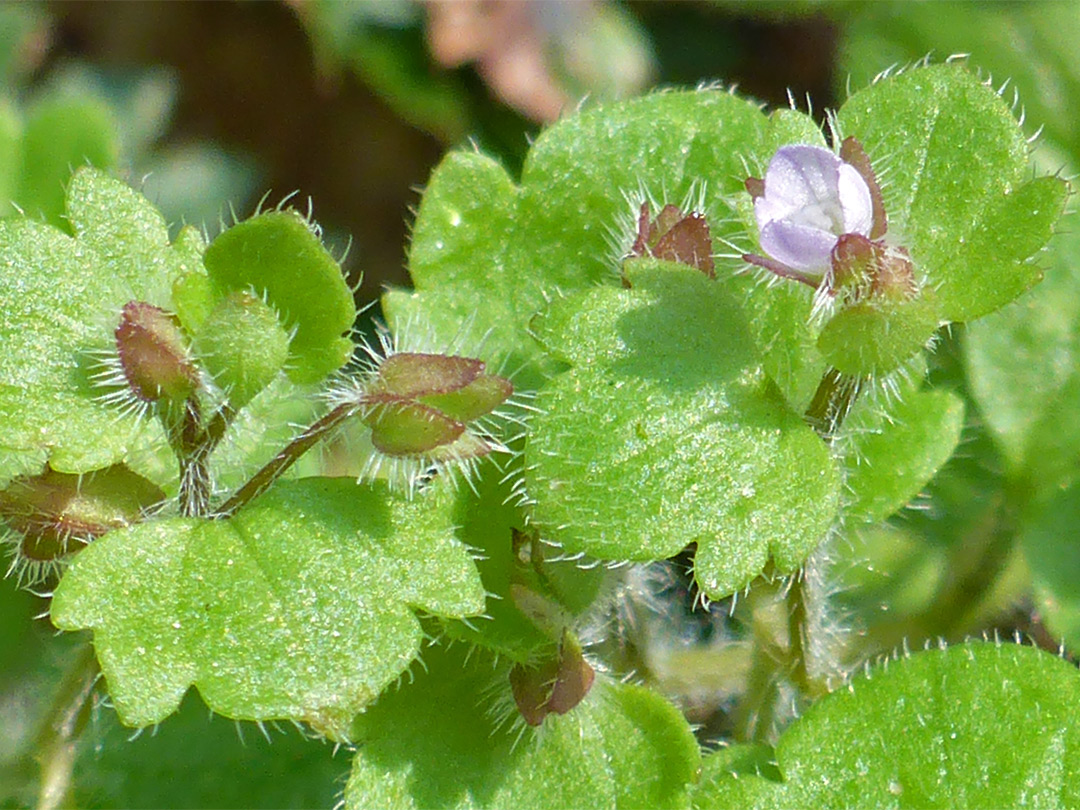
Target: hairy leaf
{"x":300,"y":606}
{"x":892,"y":452}
{"x":570,"y":222}
{"x":667,"y":432}
{"x":60,"y":298}
{"x":432,"y":746}
{"x":60,"y":134}
{"x":525,"y":586}
{"x":976,"y":725}
{"x":1028,"y":49}
{"x":1022,"y":367}
{"x":278,"y":256}
{"x":957,"y":193}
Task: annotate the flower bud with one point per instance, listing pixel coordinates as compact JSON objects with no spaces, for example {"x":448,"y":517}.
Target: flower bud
{"x":421,"y":405}
{"x":153,"y":354}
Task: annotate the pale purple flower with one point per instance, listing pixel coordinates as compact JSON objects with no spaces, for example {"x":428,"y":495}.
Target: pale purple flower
{"x":807,"y":201}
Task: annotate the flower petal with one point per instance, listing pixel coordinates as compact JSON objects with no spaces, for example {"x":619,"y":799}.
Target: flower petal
{"x":856,"y":203}
{"x":810,"y":198}
{"x":798,"y":246}
{"x":799,"y":177}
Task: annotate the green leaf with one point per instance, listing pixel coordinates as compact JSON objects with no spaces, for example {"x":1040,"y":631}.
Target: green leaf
{"x":1021,"y":365}
{"x":569,"y":223}
{"x":667,"y":432}
{"x":721,"y":782}
{"x":60,"y":299}
{"x":429,"y":745}
{"x":489,"y":519}
{"x":872,"y":338}
{"x":279,"y":257}
{"x":976,"y":725}
{"x":578,"y":173}
{"x":242,"y":345}
{"x":954,"y":162}
{"x":459,"y":257}
{"x":891,"y":453}
{"x":299,"y":607}
{"x":1028,"y":48}
{"x":61,"y":134}
{"x":885,"y":572}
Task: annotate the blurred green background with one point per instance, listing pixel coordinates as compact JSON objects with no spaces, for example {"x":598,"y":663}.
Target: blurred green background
{"x":206,"y":107}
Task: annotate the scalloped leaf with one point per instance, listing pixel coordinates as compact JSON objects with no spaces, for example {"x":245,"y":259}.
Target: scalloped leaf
{"x":891,"y":453}
{"x":279,"y":257}
{"x":457,"y":258}
{"x":301,"y":606}
{"x":429,"y":746}
{"x":59,"y":298}
{"x":480,"y":237}
{"x":667,"y":432}
{"x":578,"y":173}
{"x":976,"y":725}
{"x":954,"y":162}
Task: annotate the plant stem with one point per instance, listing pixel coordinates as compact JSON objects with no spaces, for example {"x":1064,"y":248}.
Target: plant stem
{"x":58,"y":738}
{"x":804,"y":609}
{"x":835,"y":395}
{"x":215,"y":430}
{"x":798,"y":631}
{"x":832,"y":402}
{"x":755,"y":717}
{"x":292,"y":452}
{"x":187,"y":438}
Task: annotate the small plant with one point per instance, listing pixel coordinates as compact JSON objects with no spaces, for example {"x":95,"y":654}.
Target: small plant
{"x":692,"y":331}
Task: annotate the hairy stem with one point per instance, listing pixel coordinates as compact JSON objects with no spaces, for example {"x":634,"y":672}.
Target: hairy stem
{"x":805,"y":608}
{"x":215,"y":429}
{"x":292,"y":452}
{"x":833,"y":400}
{"x":58,"y":738}
{"x":187,"y":440}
